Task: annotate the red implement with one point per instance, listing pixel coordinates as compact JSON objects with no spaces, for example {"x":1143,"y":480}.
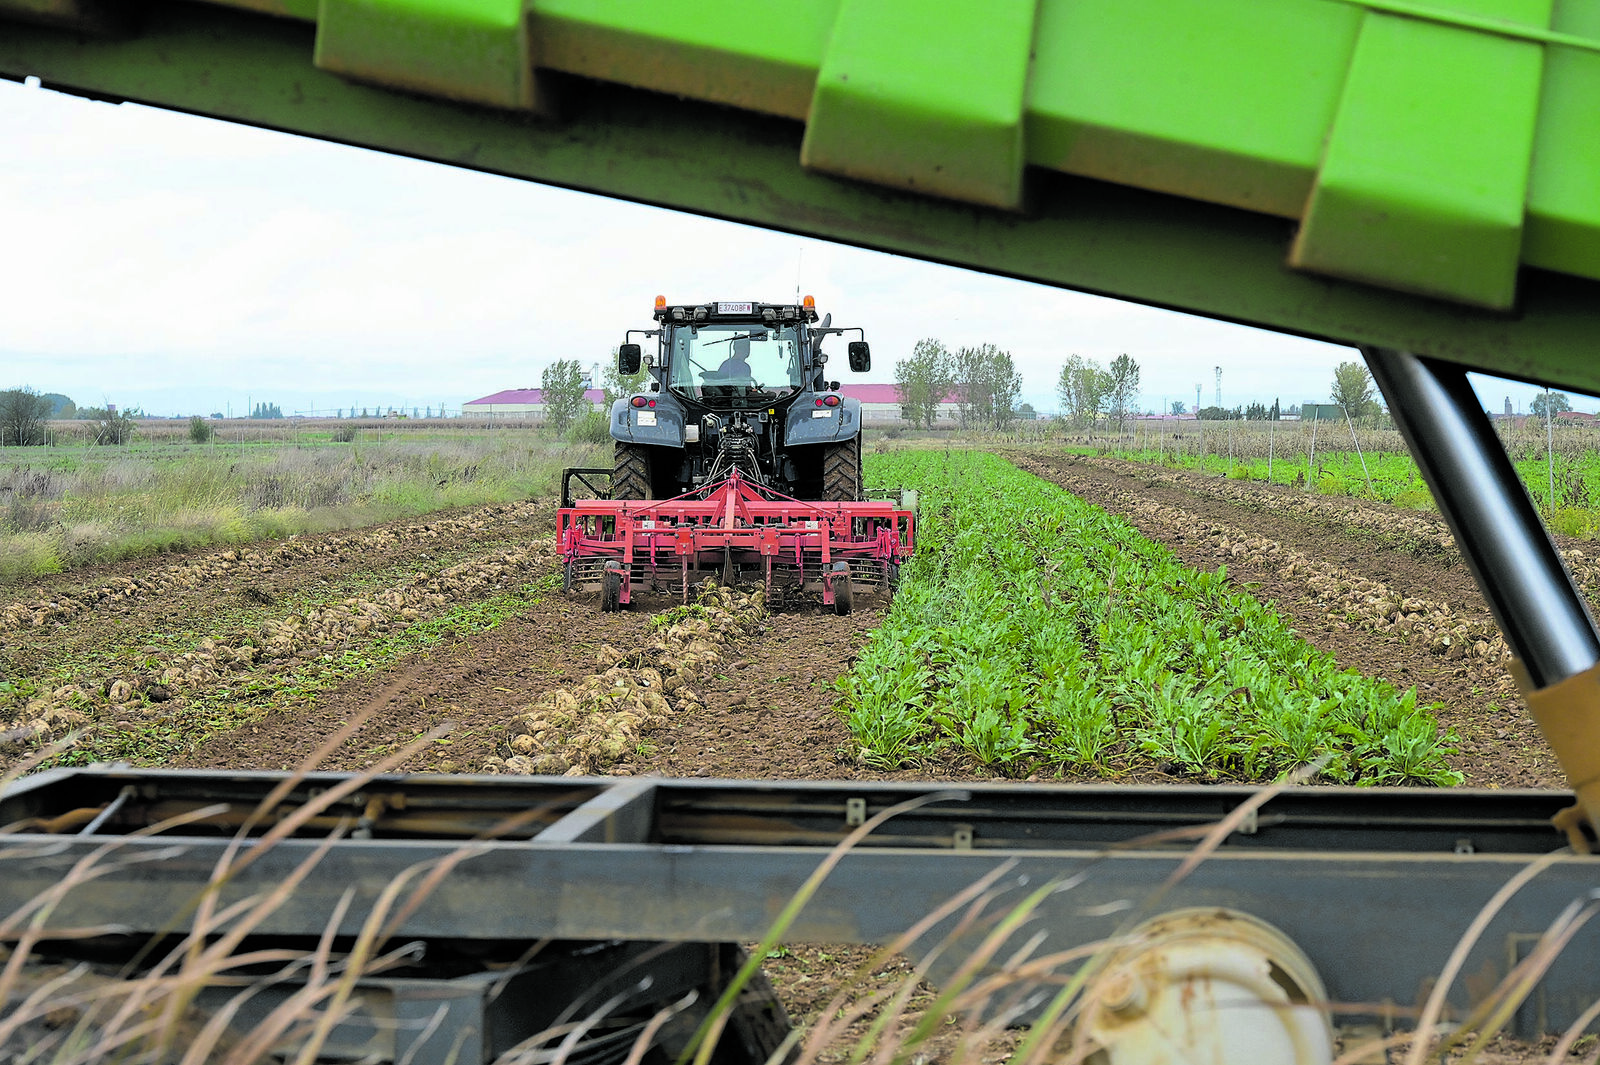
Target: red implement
{"x":733,"y":529}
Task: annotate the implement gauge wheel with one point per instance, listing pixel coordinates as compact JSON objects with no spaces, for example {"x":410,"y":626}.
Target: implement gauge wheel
{"x":843,"y":591}
{"x":611,"y":590}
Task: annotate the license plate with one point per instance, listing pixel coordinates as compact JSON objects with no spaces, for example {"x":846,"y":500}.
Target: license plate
{"x":821,"y":413}
{"x":736,"y":308}
{"x":647,"y":417}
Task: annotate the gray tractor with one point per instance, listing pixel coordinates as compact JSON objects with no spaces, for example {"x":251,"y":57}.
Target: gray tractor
{"x":737,"y":386}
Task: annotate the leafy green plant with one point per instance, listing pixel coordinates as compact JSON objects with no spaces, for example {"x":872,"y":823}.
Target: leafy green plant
{"x":1033,"y":631}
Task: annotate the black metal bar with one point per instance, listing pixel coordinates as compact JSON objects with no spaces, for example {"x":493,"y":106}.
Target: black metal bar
{"x":1544,"y":618}
{"x":622,"y":814}
{"x":582,"y":474}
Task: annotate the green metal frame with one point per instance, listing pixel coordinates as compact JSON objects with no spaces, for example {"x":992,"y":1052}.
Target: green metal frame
{"x":1368,"y":171}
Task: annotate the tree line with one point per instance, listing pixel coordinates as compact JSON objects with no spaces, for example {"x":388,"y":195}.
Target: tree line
{"x":1088,"y":390}
{"x":25,"y":416}
{"x":982,"y":381}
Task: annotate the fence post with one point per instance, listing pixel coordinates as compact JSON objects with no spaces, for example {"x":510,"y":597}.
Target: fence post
{"x":1359,"y":455}
{"x":1272,"y":430}
{"x":1311,"y":460}
{"x":1550,"y":449}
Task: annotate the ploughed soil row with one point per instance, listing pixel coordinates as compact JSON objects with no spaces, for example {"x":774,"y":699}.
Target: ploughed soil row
{"x":141,"y":660}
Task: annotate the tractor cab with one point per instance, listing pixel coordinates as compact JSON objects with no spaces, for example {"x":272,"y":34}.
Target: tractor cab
{"x":738,"y":385}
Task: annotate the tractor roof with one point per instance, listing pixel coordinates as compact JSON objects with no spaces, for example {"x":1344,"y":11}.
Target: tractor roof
{"x":736,"y":310}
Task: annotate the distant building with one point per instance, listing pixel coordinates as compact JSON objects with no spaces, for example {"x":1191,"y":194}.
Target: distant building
{"x":881,"y":403}
{"x":521,"y":403}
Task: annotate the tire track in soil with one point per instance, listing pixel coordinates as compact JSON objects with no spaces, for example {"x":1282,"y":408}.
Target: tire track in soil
{"x":1503,"y":749}
{"x":767,"y":710}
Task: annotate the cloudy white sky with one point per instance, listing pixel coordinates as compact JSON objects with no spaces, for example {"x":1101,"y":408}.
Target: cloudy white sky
{"x":183,"y":265}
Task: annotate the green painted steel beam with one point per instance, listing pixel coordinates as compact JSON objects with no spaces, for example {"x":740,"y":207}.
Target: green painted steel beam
{"x":1227,"y":101}
{"x":1425,"y":174}
{"x":1429,"y":146}
{"x":925,"y":96}
{"x":470,"y":50}
{"x":1166,"y":250}
{"x":760,"y":55}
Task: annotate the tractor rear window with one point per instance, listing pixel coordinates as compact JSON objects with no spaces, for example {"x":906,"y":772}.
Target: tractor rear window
{"x":735,"y":359}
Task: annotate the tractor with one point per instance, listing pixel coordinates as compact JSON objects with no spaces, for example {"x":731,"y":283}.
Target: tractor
{"x":738,"y":386}
{"x":740,"y":459}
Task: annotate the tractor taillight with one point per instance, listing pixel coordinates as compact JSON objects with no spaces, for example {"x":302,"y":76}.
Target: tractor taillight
{"x":639,"y":401}
{"x":819,"y":401}
{"x":652,"y":403}
{"x":832,"y":401}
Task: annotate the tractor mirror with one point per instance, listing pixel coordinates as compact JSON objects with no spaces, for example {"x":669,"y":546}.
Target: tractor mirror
{"x":628,"y":360}
{"x":860,"y":356}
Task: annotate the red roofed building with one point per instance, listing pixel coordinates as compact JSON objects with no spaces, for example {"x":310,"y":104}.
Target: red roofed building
{"x":881,"y":403}
{"x":521,"y":403}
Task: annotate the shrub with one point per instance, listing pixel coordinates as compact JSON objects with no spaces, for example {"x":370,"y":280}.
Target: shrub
{"x":200,"y":430}
{"x":591,"y":428}
{"x":106,"y":426}
{"x":345,"y":434}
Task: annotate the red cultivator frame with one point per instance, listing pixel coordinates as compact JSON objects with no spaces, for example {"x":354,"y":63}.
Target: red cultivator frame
{"x":730,"y":529}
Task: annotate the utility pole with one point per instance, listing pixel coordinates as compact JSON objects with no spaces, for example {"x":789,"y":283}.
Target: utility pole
{"x":1219,"y":386}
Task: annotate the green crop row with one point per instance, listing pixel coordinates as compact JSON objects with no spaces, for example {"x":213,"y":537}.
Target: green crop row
{"x":1037,"y":633}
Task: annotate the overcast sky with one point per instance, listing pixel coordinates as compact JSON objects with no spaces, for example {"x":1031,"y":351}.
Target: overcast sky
{"x":183,"y":265}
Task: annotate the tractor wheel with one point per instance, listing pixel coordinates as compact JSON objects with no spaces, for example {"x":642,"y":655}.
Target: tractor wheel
{"x":630,"y":473}
{"x":841,"y":471}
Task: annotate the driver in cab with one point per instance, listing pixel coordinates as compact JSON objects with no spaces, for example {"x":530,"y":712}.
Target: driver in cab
{"x":736,"y":367}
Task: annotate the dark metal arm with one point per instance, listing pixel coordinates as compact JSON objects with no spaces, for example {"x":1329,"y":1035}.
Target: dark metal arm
{"x":1541,"y":612}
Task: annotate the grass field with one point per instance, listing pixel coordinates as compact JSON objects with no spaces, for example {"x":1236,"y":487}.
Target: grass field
{"x":62,"y":507}
{"x":1563,"y":480}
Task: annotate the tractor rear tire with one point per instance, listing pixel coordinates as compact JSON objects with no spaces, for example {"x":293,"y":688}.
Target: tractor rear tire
{"x":631,"y":473}
{"x":841,"y":471}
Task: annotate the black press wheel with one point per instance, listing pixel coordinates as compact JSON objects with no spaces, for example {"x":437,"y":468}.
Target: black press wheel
{"x":611,"y":590}
{"x":843,"y":592}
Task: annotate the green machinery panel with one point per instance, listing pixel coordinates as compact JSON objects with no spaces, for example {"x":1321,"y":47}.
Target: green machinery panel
{"x":1420,"y":175}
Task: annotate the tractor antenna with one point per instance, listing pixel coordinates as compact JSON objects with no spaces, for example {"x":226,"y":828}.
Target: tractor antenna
{"x":799,"y":264}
